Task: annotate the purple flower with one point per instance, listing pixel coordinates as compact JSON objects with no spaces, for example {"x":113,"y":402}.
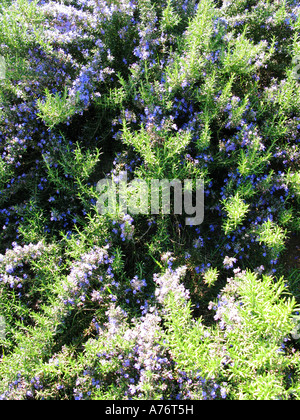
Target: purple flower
{"x":229,"y":261}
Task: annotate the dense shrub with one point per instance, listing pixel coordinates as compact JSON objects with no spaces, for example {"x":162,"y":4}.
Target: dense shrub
{"x":145,"y":306}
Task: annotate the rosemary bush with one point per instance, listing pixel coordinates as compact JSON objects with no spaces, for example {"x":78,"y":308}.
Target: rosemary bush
{"x":128,"y":305}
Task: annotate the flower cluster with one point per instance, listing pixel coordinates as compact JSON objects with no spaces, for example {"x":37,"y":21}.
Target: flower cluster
{"x":194,"y":386}
{"x":16,"y":260}
{"x":125,"y":226}
{"x":115,"y":316}
{"x":227,"y":312}
{"x":229,"y":261}
{"x":145,"y":368}
{"x":17,"y":389}
{"x":89,"y":278}
{"x":134,"y":293}
{"x":170,"y":283}
{"x":142,"y":369}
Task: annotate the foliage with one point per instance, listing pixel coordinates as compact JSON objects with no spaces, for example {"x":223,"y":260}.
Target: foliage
{"x":144,"y":306}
